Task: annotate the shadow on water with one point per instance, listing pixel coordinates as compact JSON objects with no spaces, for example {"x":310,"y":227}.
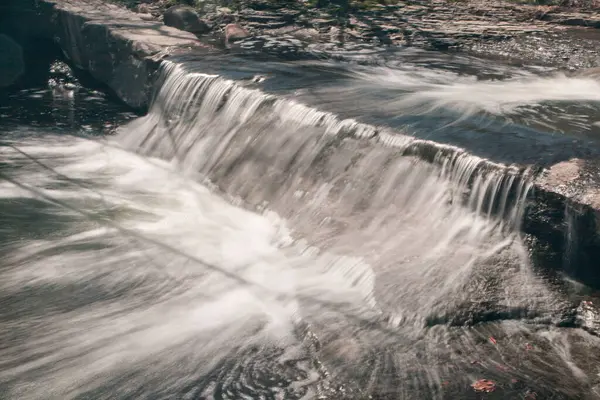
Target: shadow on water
{"x":54,"y":95}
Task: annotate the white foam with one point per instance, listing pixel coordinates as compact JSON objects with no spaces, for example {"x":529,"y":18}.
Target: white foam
{"x":190,"y":274}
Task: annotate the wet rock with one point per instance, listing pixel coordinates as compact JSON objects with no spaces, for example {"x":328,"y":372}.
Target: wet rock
{"x":265,"y":20}
{"x":573,"y":19}
{"x":588,"y":73}
{"x":186,"y":19}
{"x":565,"y":213}
{"x":143,"y":8}
{"x":147,"y":17}
{"x":12,"y":65}
{"x":545,"y":48}
{"x":235,"y":32}
{"x":588,"y":317}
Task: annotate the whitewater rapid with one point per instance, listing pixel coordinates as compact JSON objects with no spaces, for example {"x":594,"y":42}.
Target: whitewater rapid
{"x":233,"y":244}
{"x":141,"y":267}
{"x":121,"y":277}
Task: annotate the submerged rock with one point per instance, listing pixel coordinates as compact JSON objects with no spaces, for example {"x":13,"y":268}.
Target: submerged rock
{"x":12,"y":65}
{"x":235,"y":32}
{"x":143,"y":8}
{"x":588,"y":73}
{"x":186,"y":19}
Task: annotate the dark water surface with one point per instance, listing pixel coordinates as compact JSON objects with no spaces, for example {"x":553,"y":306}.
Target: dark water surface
{"x":235,"y":243}
{"x":506,"y":113}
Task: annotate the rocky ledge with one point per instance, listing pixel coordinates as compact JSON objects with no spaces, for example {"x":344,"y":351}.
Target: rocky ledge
{"x":564,"y":217}
{"x":525,"y":33}
{"x":117,"y":47}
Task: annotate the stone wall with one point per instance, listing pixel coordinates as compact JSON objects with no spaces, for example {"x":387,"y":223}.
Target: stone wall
{"x":564,"y":215}
{"x":114,"y":45}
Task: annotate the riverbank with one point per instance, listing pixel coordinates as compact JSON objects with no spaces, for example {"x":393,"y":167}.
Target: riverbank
{"x":564,"y":37}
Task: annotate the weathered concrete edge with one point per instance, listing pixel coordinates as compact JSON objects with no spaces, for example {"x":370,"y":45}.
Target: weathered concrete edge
{"x":565,"y":214}
{"x":113,"y":44}
{"x":562,"y":213}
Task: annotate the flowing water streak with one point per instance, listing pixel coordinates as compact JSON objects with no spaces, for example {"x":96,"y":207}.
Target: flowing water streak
{"x":146,"y":284}
{"x":554,"y":102}
{"x":196,"y":118}
{"x":295,"y":139}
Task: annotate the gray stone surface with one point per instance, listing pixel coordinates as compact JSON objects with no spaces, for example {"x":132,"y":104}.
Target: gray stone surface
{"x":115,"y":45}
{"x":565,"y":212}
{"x":503,"y":29}
{"x":235,"y":32}
{"x":185,"y":18}
{"x":591,"y":20}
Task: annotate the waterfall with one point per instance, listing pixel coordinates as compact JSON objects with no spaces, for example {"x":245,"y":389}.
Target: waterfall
{"x":435,"y":228}
{"x":432,"y":216}
{"x":226,"y":133}
{"x":238,"y":244}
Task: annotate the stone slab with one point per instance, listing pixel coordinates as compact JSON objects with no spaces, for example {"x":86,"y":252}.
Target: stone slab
{"x":565,"y":213}
{"x":114,"y":44}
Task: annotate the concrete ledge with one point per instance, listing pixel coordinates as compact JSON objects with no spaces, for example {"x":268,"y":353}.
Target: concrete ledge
{"x":115,"y":45}
{"x":565,"y":214}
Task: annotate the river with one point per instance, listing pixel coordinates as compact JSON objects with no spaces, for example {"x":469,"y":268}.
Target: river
{"x":259,"y":234}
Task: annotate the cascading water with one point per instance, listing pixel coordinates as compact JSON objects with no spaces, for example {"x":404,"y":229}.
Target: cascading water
{"x":237,"y":245}
{"x":440,"y":241}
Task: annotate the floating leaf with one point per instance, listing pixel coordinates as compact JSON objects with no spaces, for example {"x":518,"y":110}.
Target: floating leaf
{"x":484,"y":385}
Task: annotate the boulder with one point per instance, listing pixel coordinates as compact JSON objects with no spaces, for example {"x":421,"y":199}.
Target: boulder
{"x":12,"y":64}
{"x":235,"y":32}
{"x":186,"y":19}
{"x":143,"y":8}
{"x":147,"y":17}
